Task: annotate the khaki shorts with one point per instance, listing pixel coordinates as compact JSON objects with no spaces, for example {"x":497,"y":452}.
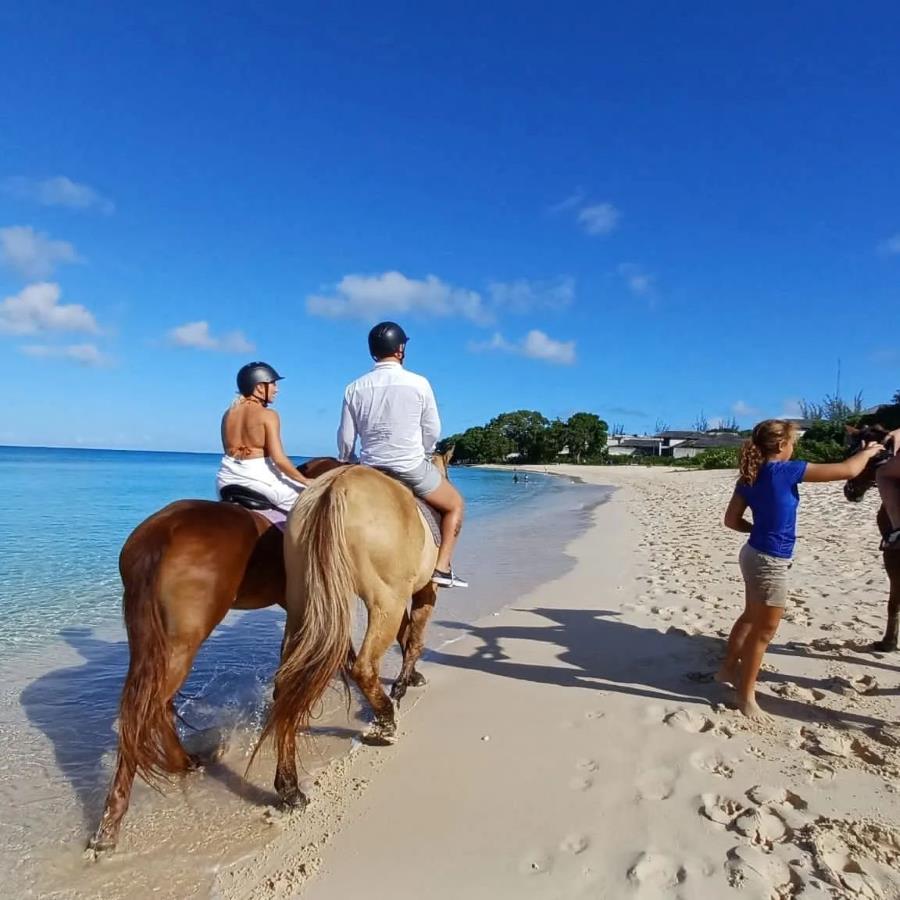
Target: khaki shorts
{"x":422,"y":480}
{"x":766,"y":577}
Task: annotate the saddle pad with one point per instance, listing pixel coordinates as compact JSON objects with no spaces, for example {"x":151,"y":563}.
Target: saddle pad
{"x":275,"y":516}
{"x":432,"y":518}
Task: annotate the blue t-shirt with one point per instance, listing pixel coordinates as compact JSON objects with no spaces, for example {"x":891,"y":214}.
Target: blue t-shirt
{"x":774,"y":498}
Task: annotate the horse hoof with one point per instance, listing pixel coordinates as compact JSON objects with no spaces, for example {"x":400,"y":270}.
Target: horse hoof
{"x":398,"y":691}
{"x":380,"y":735}
{"x":99,"y":846}
{"x":417,"y":679}
{"x":883,"y":646}
{"x":294,"y":799}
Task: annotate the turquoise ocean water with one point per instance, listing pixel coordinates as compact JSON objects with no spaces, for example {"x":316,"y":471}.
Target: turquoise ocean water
{"x":66,"y":513}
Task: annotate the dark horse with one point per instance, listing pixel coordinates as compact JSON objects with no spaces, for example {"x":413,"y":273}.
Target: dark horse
{"x":855,"y":490}
{"x":182,"y":570}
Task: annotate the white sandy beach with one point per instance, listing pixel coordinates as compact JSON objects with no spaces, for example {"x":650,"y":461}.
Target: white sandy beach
{"x":561,"y":751}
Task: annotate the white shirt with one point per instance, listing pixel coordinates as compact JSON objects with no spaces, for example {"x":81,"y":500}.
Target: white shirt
{"x":394,"y":414}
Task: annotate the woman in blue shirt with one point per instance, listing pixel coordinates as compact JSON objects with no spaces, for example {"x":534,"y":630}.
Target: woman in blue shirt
{"x":768,"y":487}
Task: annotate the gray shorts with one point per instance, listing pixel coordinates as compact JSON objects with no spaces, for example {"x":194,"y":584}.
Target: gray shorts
{"x":421,"y":480}
{"x":766,"y":577}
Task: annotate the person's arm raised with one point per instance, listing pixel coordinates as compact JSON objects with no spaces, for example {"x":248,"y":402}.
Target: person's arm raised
{"x":842,"y":471}
{"x":275,"y":450}
{"x":734,"y":515}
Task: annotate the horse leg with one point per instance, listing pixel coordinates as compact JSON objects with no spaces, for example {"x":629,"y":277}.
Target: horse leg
{"x":889,"y":642}
{"x":422,"y":607}
{"x":383,"y":627}
{"x":416,"y":678}
{"x":117,"y":800}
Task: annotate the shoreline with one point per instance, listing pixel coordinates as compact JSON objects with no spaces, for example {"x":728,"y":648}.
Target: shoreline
{"x":576,"y":758}
{"x":216,"y":817}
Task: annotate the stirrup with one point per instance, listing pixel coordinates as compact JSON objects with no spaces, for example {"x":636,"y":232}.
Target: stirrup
{"x":448,"y":579}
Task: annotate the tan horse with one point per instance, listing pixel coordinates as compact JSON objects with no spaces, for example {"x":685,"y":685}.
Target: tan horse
{"x":354,"y":533}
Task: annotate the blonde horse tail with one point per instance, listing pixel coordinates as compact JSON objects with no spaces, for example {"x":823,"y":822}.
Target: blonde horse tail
{"x":317,"y":649}
{"x":148,"y":741}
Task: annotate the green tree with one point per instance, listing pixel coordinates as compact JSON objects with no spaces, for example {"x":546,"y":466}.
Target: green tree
{"x":523,"y":429}
{"x":586,"y":436}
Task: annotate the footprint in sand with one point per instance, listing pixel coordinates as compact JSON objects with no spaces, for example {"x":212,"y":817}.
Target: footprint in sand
{"x":721,"y":810}
{"x":762,"y":827}
{"x":714,"y":763}
{"x":761,"y":874}
{"x":690,"y":721}
{"x":581,"y":783}
{"x":574,"y":844}
{"x":656,"y":870}
{"x":587,"y":765}
{"x":656,"y":784}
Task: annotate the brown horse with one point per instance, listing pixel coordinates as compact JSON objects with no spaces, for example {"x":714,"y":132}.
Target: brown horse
{"x":855,"y":490}
{"x":354,"y":533}
{"x":182,"y":570}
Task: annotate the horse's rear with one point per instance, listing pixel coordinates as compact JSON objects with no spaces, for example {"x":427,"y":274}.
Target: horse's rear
{"x":182,"y":569}
{"x":356,"y":532}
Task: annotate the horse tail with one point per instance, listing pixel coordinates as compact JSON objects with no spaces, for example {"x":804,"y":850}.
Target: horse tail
{"x":317,"y":649}
{"x":148,"y":741}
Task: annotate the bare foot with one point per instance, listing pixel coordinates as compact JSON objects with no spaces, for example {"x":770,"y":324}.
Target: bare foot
{"x":726,"y":675}
{"x":751,"y":710}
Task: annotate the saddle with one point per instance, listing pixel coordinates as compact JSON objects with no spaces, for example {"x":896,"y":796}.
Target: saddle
{"x":432,"y":518}
{"x":252,"y":500}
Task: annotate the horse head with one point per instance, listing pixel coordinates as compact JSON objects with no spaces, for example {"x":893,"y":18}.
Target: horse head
{"x":857,"y":438}
{"x":442,"y":461}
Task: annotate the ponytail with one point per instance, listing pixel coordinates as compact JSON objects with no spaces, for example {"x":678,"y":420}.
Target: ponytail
{"x":767,"y":440}
{"x":751,"y":462}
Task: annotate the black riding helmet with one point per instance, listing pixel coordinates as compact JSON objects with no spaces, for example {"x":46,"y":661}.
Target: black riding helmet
{"x":385,"y":339}
{"x":253,"y":374}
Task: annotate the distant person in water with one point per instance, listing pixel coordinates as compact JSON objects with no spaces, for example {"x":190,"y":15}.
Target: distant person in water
{"x":515,"y":477}
{"x":251,"y":438}
{"x":888,"y":480}
{"x":393,"y":414}
{"x":768,"y":487}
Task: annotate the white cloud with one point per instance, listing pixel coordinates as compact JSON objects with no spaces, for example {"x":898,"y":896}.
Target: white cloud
{"x":791,"y":410}
{"x":639,"y":282}
{"x":58,"y":191}
{"x":392,"y":293}
{"x":570,"y":202}
{"x":36,"y":309}
{"x":599,"y":219}
{"x":744,"y":409}
{"x":84,"y":354}
{"x":32,"y":253}
{"x":197,"y":335}
{"x":891,"y":246}
{"x":535,"y":345}
{"x":523,"y":296}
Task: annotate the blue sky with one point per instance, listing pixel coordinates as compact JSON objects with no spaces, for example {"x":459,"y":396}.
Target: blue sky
{"x":642,"y":211}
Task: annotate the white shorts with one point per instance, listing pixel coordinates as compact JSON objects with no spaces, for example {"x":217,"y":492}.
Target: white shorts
{"x":260,"y":475}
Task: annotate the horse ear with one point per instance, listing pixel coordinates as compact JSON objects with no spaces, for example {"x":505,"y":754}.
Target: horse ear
{"x":448,"y":454}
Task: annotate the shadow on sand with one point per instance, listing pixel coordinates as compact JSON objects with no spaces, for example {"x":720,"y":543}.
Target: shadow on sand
{"x":598,"y":650}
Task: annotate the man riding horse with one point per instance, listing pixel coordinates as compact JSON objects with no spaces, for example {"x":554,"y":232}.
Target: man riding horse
{"x":394,"y":415}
